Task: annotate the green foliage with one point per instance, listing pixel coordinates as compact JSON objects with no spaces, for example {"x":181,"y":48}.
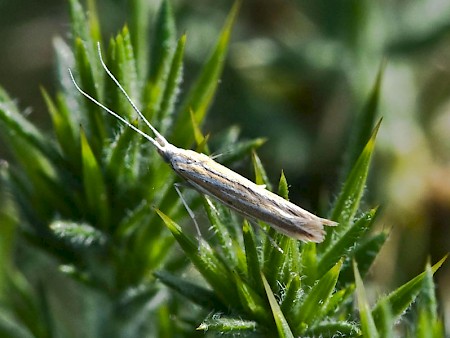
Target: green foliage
{"x":287,"y":288}
{"x":95,"y":198}
{"x":85,"y":197}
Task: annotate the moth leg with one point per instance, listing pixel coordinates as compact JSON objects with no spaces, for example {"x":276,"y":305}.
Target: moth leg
{"x":189,"y":210}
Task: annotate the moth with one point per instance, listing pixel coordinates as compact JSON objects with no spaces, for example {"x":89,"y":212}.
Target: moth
{"x":230,"y":188}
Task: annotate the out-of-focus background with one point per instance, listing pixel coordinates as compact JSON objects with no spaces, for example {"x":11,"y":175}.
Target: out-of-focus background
{"x":298,"y":73}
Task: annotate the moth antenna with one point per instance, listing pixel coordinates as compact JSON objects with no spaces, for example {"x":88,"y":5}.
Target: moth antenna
{"x":117,"y":116}
{"x":159,"y":137}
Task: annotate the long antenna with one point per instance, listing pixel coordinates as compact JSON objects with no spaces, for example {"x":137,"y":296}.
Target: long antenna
{"x":120,"y":118}
{"x":159,"y":137}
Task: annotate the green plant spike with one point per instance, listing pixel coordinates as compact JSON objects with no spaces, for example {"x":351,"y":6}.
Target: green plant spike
{"x":231,"y":151}
{"x":261,"y":177}
{"x":281,"y":255}
{"x":428,"y":325}
{"x":272,"y":248}
{"x":254,"y":305}
{"x":119,"y":160}
{"x":80,"y":237}
{"x":293,"y":261}
{"x":18,"y":127}
{"x":200,"y":139}
{"x":195,"y":293}
{"x":78,"y":21}
{"x":85,"y":69}
{"x":386,"y":322}
{"x":284,"y":331}
{"x":120,"y":57}
{"x":252,"y":257}
{"x":165,"y":32}
{"x":338,"y":299}
{"x":314,"y":303}
{"x":88,"y":33}
{"x":366,"y":119}
{"x":291,"y":300}
{"x":209,"y":264}
{"x":347,"y":203}
{"x":309,"y":263}
{"x":140,"y":12}
{"x":230,"y":249}
{"x":368,"y":328}
{"x":95,"y":126}
{"x":347,"y":243}
{"x":276,"y":261}
{"x":427,"y":294}
{"x":200,"y":96}
{"x":330,"y":329}
{"x":283,"y":187}
{"x":94,"y":185}
{"x":94,"y":22}
{"x":227,"y":325}
{"x":400,"y":299}
{"x":28,"y":313}
{"x":62,"y":125}
{"x":171,"y":89}
{"x":162,"y":56}
{"x":364,"y":255}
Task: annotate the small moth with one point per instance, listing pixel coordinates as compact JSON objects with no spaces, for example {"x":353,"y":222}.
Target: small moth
{"x":235,"y":191}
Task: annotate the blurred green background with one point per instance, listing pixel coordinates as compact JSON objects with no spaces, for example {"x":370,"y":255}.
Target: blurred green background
{"x":298,"y":73}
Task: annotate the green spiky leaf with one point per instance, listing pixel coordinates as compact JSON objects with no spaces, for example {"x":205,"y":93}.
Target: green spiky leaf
{"x":282,"y":325}
{"x":347,"y":203}
{"x":400,"y":299}
{"x":200,"y":96}
{"x":368,"y":328}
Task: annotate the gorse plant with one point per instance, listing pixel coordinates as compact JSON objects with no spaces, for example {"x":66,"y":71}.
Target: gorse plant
{"x":96,"y":197}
